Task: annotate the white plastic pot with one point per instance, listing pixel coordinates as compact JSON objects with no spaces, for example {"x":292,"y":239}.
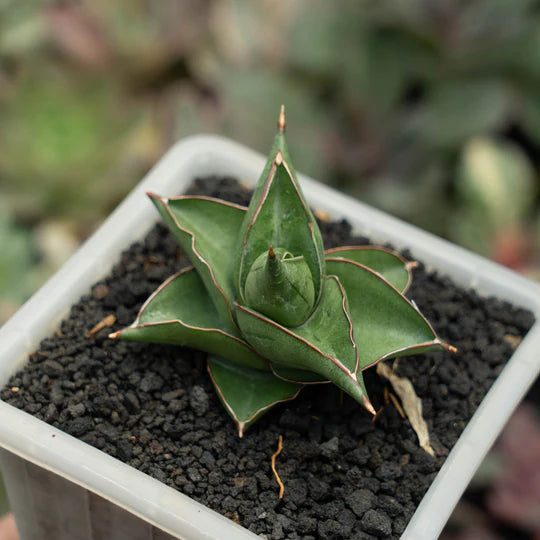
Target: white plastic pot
{"x":62,"y":488}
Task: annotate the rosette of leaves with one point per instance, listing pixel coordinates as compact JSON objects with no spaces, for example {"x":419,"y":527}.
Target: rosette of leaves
{"x":273,"y":309}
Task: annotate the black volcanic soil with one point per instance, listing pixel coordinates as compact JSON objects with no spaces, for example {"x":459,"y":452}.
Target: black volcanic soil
{"x":345,"y":476}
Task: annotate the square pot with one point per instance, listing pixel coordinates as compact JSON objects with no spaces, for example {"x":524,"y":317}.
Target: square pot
{"x":62,"y":488}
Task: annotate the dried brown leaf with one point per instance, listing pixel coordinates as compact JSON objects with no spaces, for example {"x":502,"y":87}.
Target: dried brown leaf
{"x":412,"y":404}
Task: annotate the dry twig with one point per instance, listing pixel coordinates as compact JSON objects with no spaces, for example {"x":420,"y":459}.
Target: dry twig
{"x":274,"y":456}
{"x":109,"y":320}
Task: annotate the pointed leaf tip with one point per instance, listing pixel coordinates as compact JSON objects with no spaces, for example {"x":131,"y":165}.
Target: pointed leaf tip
{"x":271,"y":253}
{"x":281,"y":120}
{"x":411,"y":265}
{"x":449,"y":348}
{"x":367,"y":405}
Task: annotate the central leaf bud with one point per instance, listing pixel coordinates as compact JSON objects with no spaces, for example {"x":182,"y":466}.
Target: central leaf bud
{"x":280,"y":286}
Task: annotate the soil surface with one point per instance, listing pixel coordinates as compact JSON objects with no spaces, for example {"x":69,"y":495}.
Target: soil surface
{"x":345,"y":476}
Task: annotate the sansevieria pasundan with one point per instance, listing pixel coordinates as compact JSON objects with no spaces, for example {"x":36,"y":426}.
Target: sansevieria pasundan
{"x":273,"y":309}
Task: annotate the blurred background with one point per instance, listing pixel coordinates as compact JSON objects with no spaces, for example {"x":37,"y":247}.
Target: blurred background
{"x":428,"y":109}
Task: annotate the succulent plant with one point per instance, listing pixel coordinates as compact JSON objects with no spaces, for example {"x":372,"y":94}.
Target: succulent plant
{"x":272,"y":308}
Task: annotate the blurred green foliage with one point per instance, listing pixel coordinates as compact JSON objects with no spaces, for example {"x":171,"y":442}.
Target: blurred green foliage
{"x":17,"y":258}
{"x":18,"y":266}
{"x":61,"y":140}
{"x":4,"y":503}
{"x":495,"y":182}
{"x":427,"y":109}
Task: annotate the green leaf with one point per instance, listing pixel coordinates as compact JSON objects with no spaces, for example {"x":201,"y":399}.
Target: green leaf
{"x":207,"y":230}
{"x":246,"y":393}
{"x":278,"y":216}
{"x":18,"y":277}
{"x":323,"y":344}
{"x":181,"y":312}
{"x":389,"y":264}
{"x":280,"y":286}
{"x":386,"y":324}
